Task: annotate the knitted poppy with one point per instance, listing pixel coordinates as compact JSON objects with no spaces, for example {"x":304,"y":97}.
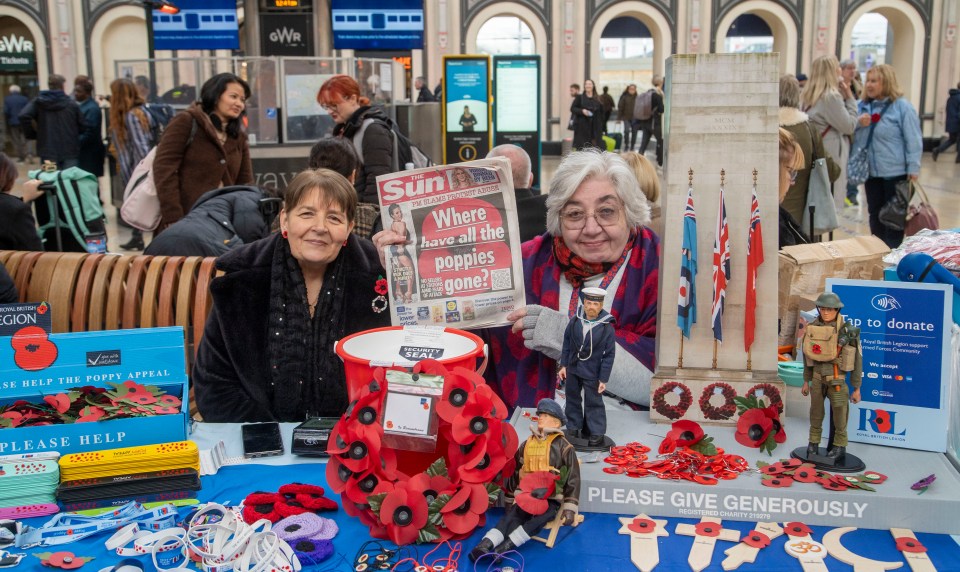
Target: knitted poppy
{"x":286,"y":507}
{"x":404,"y":512}
{"x":261,"y":505}
{"x":464,"y":510}
{"x":310,"y":496}
{"x":534,"y":490}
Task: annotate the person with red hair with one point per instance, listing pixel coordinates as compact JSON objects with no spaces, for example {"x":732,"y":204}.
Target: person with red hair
{"x":366,"y":126}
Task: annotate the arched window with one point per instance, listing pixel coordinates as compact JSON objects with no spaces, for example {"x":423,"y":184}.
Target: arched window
{"x":626,"y":55}
{"x":868,"y":42}
{"x":507,"y":35}
{"x":749,"y":33}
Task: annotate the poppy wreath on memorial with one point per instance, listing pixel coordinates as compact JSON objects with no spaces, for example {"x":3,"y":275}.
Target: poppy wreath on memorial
{"x":449,"y":499}
{"x":672,"y":411}
{"x":768,"y":391}
{"x":725,"y":411}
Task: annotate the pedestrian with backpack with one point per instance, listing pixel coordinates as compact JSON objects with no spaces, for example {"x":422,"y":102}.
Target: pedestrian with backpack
{"x":625,"y":113}
{"x":648,"y":112}
{"x":203,"y":148}
{"x":131,"y":137}
{"x":368,"y":127}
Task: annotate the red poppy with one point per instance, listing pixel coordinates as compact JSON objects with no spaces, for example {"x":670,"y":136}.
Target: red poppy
{"x":160,"y":410}
{"x":774,"y":469}
{"x":881,"y":419}
{"x":381,"y":286}
{"x":261,"y":505}
{"x":367,"y":518}
{"x":773,"y":414}
{"x":777,"y":482}
{"x":60,"y":402}
{"x":65,"y":560}
{"x":756,"y":539}
{"x":874,"y":477}
{"x":832,"y":485}
{"x":433,"y":486}
{"x":290,"y":507}
{"x":642,"y":526}
{"x":462,"y":513}
{"x":337,"y":474}
{"x":404,"y":512}
{"x":363,"y":414}
{"x":456,"y":390}
{"x":360,"y":486}
{"x":753,"y":427}
{"x":710,"y":529}
{"x":685,"y":432}
{"x":805,"y":475}
{"x":874,"y":118}
{"x":796,"y":529}
{"x":534,"y":490}
{"x":667,"y":446}
{"x":91,"y":413}
{"x":792,"y":463}
{"x":907,"y":544}
{"x":169,"y":400}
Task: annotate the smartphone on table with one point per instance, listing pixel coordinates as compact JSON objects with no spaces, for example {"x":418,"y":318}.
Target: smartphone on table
{"x":261,"y":440}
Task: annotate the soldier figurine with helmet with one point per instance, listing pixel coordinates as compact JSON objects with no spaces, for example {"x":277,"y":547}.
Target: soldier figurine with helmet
{"x":831,"y":350}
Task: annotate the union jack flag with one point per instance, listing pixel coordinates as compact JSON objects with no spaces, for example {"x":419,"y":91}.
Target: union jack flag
{"x":721,"y":267}
{"x":754,"y":260}
{"x":687,"y":300}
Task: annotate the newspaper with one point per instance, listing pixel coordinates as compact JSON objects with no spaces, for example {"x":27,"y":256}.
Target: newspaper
{"x":461,"y":265}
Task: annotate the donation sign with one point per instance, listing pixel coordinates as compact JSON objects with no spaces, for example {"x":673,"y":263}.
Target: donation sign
{"x":461,"y":265}
{"x":905,"y":336}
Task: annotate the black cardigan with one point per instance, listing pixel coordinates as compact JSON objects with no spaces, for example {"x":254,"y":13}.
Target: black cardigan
{"x":232,"y":370}
{"x":18,"y":228}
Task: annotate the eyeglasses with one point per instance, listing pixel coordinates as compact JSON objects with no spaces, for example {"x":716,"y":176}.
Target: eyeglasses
{"x":793,"y":175}
{"x":328,"y":108}
{"x":575,"y":219}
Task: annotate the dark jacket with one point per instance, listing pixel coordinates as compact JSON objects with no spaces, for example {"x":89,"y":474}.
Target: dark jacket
{"x":531,"y":213}
{"x":953,"y":112}
{"x":54,"y":120}
{"x":8,"y":291}
{"x":13,"y":104}
{"x":589,"y":357}
{"x":425,"y":95}
{"x":221,"y":220}
{"x":625,"y":106}
{"x":92,"y":151}
{"x":587,"y":131}
{"x":376,"y":150}
{"x":790,"y":232}
{"x":562,"y":455}
{"x":232,"y":371}
{"x":183,"y":173}
{"x":18,"y":228}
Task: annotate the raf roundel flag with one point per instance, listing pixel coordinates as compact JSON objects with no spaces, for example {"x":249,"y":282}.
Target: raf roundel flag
{"x":721,"y":268}
{"x":687,"y":300}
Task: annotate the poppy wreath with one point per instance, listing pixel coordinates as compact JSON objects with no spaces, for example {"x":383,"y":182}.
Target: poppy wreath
{"x":759,"y":426}
{"x":449,"y":499}
{"x":672,"y":411}
{"x":89,"y":403}
{"x":768,"y":391}
{"x":725,"y":411}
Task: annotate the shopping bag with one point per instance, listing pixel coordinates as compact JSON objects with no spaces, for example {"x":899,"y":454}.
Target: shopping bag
{"x":920,"y":213}
{"x":893,"y":214}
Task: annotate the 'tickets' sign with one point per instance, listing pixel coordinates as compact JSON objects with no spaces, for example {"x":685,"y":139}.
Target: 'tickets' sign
{"x":16,"y":53}
{"x":905,"y":336}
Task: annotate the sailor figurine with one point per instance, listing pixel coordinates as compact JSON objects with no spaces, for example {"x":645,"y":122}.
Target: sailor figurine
{"x":589,"y":346}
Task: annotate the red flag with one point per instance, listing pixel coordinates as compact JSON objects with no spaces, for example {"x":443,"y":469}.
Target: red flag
{"x":754,"y":260}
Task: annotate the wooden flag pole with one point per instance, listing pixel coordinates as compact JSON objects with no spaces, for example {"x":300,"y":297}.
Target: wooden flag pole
{"x":714,"y":353}
{"x":689,"y":184}
{"x":680,"y":359}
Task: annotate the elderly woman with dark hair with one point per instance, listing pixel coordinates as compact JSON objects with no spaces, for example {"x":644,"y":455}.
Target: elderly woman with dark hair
{"x":267,"y":350}
{"x":203,"y":148}
{"x":596,"y":237}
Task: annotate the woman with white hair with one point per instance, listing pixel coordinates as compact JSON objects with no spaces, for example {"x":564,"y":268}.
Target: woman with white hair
{"x":828,"y":101}
{"x":596,"y":237}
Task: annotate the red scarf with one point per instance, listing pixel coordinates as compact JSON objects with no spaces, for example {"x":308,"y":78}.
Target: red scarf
{"x":576,"y":269}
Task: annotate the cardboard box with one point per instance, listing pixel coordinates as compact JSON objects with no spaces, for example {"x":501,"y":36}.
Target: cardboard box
{"x":805,"y":268}
{"x":149,"y":356}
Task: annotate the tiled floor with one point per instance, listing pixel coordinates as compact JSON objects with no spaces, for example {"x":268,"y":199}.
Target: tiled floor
{"x":941,"y":180}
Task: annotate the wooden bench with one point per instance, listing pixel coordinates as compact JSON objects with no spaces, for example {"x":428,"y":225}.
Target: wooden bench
{"x":89,"y":292}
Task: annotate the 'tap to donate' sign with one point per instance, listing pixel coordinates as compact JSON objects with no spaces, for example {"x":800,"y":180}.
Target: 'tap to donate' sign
{"x":905,"y":336}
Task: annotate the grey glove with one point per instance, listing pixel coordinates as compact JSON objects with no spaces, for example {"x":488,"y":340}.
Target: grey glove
{"x":543,"y":330}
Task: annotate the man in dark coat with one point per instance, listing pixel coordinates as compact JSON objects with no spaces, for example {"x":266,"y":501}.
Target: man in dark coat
{"x":531,"y":205}
{"x":219,"y":221}
{"x":952,"y":126}
{"x":654,"y":126}
{"x":92,"y":151}
{"x":55,"y":121}
{"x":13,"y":104}
{"x":607,"y":102}
{"x":424,"y":95}
{"x":625,"y":113}
{"x":586,"y":361}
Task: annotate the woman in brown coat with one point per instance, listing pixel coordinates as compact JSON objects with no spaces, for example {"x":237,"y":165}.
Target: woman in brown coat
{"x":203,"y":148}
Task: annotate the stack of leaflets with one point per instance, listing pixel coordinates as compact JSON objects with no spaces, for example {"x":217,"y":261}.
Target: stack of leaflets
{"x":28,"y":485}
{"x":166,"y":472}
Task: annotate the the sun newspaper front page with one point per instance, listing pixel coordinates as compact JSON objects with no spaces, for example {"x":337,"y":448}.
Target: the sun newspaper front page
{"x":461,"y":266}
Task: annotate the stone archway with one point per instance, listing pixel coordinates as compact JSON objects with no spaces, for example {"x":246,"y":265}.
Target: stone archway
{"x":121,"y":26}
{"x":39,"y":41}
{"x":786,"y":37}
{"x":651,"y":17}
{"x":908,"y":33}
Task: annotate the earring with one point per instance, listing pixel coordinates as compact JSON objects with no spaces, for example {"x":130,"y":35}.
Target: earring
{"x":283,"y":233}
{"x":345,"y":242}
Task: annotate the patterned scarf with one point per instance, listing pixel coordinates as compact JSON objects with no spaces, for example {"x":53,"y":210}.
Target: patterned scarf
{"x":307,"y":377}
{"x":576,"y":269}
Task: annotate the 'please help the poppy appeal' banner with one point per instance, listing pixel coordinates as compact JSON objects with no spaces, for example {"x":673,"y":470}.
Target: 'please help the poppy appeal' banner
{"x":460,"y":267}
{"x":905,"y":337}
